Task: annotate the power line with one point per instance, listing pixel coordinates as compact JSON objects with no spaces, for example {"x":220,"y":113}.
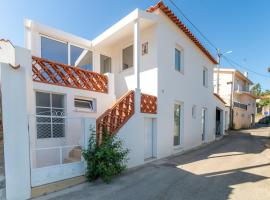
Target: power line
{"x":230,"y":61}
{"x":234,"y":64}
{"x":193,"y":25}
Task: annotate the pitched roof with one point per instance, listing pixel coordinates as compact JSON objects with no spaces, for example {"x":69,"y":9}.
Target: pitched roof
{"x":160,"y":5}
{"x":219,"y":98}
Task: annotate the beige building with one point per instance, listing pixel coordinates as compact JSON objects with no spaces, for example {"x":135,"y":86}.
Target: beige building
{"x":234,"y":89}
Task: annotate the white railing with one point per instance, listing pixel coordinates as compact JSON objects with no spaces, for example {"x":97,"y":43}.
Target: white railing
{"x":63,"y":158}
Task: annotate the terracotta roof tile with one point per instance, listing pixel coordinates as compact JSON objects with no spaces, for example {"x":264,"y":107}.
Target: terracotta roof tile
{"x":160,"y":5}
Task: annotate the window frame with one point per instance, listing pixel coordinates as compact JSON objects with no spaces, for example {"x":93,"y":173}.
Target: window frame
{"x":181,"y":50}
{"x":205,"y":80}
{"x":122,"y":48}
{"x":110,"y":71}
{"x":69,"y":44}
{"x":51,"y":116}
{"x":181,"y":123}
{"x":81,"y":109}
{"x":57,"y":40}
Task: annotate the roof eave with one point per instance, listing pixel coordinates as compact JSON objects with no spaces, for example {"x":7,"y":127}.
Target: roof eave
{"x":160,"y":5}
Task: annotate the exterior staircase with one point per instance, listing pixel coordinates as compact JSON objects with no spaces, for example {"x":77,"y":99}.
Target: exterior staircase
{"x":115,"y":117}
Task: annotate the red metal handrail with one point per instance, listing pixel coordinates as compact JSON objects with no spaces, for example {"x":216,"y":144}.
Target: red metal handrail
{"x":46,"y":71}
{"x":114,"y":118}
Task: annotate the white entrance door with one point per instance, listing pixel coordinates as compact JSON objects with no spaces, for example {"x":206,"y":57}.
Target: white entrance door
{"x":148,"y":138}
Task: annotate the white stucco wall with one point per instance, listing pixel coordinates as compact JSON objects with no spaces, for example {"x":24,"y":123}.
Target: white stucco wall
{"x":186,"y":88}
{"x":125,"y":79}
{"x":14,"y":86}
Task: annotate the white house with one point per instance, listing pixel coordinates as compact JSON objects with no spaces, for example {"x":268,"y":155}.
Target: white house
{"x":146,"y":78}
{"x":234,"y":88}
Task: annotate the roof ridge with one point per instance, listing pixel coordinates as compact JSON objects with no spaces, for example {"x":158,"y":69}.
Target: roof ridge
{"x":167,"y":11}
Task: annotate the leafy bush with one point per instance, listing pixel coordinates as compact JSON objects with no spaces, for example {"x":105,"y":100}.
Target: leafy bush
{"x":105,"y":160}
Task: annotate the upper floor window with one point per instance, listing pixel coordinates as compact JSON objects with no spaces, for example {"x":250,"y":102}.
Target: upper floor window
{"x":81,"y":57}
{"x":205,"y":77}
{"x":127,"y":57}
{"x":105,"y":64}
{"x":54,"y":50}
{"x":178,"y":60}
{"x":66,"y":53}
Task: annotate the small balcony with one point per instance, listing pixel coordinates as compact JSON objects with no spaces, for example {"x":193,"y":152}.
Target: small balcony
{"x":240,"y":105}
{"x":49,"y":72}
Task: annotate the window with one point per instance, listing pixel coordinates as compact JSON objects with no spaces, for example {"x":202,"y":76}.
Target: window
{"x":127,"y":57}
{"x":64,"y":52}
{"x":105,"y":64}
{"x":194,"y":111}
{"x":54,"y":50}
{"x":177,"y":124}
{"x":205,"y":77}
{"x":81,"y":57}
{"x":84,"y":104}
{"x":178,"y":66}
{"x":50,"y":115}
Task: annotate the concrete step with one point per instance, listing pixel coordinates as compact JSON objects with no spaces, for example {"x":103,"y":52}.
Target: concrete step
{"x":71,"y":160}
{"x":76,"y":153}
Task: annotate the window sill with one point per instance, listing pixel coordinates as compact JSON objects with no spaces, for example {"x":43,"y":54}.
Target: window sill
{"x":128,"y":70}
{"x":180,"y":72}
{"x":84,"y":110}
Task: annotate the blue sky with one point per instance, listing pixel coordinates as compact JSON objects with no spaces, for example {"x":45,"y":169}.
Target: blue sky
{"x":241,"y":26}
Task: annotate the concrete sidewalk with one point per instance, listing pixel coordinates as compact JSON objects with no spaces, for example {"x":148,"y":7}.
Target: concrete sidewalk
{"x":236,"y":167}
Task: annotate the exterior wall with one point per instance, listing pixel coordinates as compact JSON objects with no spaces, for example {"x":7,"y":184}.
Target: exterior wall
{"x":14,"y":87}
{"x":243,"y":118}
{"x":185,"y":88}
{"x":125,"y":80}
{"x":224,"y":88}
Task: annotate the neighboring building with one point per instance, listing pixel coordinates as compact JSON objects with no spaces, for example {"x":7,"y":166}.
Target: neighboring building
{"x":149,"y":67}
{"x":234,"y":88}
{"x":263,"y":110}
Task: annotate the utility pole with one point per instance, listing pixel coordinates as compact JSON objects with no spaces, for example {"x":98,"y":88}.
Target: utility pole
{"x":219,"y":55}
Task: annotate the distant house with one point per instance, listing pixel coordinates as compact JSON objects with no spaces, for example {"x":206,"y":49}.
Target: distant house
{"x":263,"y":111}
{"x":234,"y":88}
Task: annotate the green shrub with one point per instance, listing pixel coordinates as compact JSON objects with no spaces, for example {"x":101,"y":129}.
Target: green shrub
{"x":105,"y":160}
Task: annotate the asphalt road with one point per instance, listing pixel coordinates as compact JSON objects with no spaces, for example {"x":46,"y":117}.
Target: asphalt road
{"x":236,"y":167}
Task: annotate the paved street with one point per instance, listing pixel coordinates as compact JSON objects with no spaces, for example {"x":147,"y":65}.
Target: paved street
{"x":236,"y":167}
